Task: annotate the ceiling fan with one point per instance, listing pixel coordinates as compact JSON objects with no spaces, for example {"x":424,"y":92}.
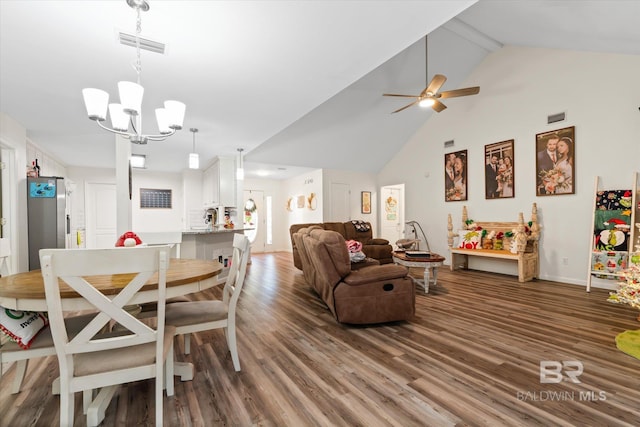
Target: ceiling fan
{"x":429,"y":97}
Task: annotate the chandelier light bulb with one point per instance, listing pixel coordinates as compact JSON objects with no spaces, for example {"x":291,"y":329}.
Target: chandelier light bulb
{"x":131,"y":97}
{"x":175,"y":111}
{"x":96,"y":100}
{"x":119,"y":119}
{"x":162,"y":117}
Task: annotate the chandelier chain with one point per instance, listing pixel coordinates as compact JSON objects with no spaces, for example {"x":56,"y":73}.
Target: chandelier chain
{"x":138,"y":66}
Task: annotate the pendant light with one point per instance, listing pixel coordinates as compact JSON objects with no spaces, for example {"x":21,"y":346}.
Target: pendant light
{"x":194,"y":159}
{"x":240,"y":170}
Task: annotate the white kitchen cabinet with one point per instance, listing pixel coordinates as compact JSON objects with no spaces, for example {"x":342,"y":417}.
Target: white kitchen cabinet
{"x":219,"y":183}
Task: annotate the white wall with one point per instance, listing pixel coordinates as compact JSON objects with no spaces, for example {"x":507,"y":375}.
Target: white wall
{"x":301,"y":185}
{"x":142,"y":219}
{"x":520,"y":87}
{"x":13,"y":137}
{"x":357,"y":182}
{"x":158,"y":219}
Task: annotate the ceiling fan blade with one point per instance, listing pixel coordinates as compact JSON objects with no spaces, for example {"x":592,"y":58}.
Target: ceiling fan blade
{"x":436,"y":83}
{"x":438,"y":106}
{"x":404,"y":96}
{"x":459,"y":92}
{"x":405,"y":107}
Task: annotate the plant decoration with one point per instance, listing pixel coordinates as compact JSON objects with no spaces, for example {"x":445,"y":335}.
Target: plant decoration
{"x":628,"y":290}
{"x":250,"y":206}
{"x":471,"y":225}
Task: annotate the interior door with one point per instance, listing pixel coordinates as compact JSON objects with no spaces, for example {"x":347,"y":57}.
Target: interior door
{"x":100,"y":208}
{"x":392,"y":213}
{"x":340,"y":202}
{"x":255,"y":217}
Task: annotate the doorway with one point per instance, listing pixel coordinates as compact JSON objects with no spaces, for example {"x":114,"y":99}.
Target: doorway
{"x":254,"y":216}
{"x":340,"y":202}
{"x":392,"y":212}
{"x":100,"y":208}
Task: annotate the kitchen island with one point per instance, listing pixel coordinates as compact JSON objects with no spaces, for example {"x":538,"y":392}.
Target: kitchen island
{"x":216,"y":244}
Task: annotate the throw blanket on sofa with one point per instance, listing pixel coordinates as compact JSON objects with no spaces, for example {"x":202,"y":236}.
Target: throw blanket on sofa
{"x":361,"y":225}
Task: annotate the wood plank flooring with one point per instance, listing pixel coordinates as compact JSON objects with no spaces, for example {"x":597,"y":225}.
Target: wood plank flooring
{"x":471,"y":356}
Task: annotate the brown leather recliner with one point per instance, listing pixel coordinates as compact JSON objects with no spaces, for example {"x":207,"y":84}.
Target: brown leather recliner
{"x":378,"y":249}
{"x":373,"y":294}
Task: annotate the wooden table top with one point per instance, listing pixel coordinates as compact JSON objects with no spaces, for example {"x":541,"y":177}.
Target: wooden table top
{"x":434,"y":257}
{"x":30,"y":285}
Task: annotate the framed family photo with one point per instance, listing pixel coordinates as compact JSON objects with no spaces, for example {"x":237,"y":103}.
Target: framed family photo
{"x":556,"y":162}
{"x":499,"y":170}
{"x":455,"y":176}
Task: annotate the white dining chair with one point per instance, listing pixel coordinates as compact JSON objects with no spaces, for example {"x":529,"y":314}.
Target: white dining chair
{"x":41,"y":346}
{"x":94,"y":359}
{"x":196,"y":316}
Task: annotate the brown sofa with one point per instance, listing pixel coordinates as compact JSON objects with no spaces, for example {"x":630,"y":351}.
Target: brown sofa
{"x":378,"y":249}
{"x":372,"y":294}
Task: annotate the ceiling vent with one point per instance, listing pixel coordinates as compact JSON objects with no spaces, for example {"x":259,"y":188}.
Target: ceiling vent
{"x":146,"y":44}
{"x":448,"y":144}
{"x":554,"y":118}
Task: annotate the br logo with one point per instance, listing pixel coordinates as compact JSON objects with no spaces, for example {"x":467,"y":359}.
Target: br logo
{"x":553,"y":372}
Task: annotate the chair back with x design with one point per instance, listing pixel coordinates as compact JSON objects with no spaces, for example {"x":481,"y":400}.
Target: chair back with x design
{"x":95,"y":357}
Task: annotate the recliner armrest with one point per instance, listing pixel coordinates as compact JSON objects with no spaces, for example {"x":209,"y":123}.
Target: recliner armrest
{"x":375,"y":273}
{"x":378,"y":242}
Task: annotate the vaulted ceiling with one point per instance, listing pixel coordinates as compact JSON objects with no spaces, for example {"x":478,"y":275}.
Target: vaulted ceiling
{"x":295,"y":84}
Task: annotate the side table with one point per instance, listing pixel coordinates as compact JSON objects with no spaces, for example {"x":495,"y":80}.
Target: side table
{"x":429,"y":264}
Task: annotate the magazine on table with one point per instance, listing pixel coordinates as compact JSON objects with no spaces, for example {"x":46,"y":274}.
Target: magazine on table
{"x":418,"y":254}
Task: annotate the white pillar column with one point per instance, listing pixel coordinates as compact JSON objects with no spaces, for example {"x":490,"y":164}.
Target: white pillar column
{"x":123,"y":171}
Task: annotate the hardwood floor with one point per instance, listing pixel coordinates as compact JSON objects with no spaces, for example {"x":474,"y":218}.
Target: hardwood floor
{"x":471,"y":356}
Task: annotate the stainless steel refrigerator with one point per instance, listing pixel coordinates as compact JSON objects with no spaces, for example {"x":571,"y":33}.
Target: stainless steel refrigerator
{"x":47,"y":220}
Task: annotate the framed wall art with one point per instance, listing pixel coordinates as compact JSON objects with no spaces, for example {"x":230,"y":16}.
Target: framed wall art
{"x":365,"y":202}
{"x":556,"y":162}
{"x":499,"y":170}
{"x":455,"y":176}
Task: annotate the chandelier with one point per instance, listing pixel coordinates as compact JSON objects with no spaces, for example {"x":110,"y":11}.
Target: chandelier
{"x":128,"y":111}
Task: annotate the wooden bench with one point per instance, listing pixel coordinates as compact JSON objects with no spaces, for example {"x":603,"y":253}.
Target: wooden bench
{"x":526,"y":244}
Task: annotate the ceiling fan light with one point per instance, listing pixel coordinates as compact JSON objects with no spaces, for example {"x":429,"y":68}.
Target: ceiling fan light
{"x":175,"y":110}
{"x":95,"y":101}
{"x":119,"y":119}
{"x":162,"y":117}
{"x":427,"y":102}
{"x":131,"y":97}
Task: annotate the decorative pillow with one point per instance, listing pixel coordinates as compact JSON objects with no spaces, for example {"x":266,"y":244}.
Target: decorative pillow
{"x":469,"y":239}
{"x":22,"y":326}
{"x":361,"y":225}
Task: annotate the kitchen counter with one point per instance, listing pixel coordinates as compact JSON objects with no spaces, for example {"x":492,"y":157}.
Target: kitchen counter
{"x":215,"y":230}
{"x":214,"y":244}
